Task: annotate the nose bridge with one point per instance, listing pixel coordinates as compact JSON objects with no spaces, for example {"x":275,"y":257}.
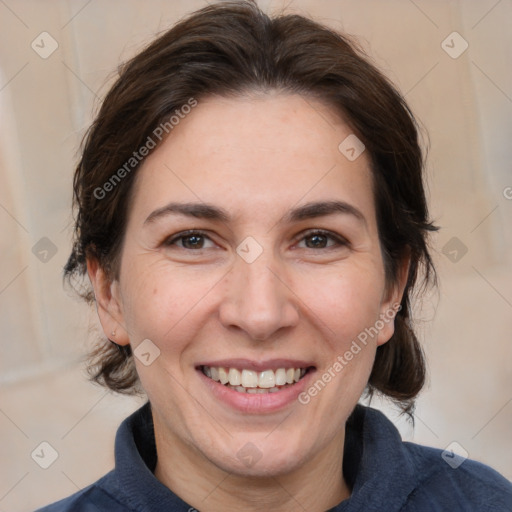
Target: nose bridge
{"x":257,"y":301}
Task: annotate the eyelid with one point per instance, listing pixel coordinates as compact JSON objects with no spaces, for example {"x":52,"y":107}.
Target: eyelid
{"x":171,"y":240}
{"x":340,"y":240}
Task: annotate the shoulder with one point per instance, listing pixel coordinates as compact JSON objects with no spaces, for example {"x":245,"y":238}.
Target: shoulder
{"x":91,"y":498}
{"x":410,"y":477}
{"x":446,"y":478}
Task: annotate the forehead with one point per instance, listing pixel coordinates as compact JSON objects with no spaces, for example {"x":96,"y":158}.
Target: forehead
{"x":255,"y":151}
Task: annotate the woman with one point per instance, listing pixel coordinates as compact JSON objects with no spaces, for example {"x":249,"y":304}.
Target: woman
{"x":252,"y":218}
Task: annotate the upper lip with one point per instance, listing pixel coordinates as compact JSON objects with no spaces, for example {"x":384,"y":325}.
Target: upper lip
{"x":257,"y":366}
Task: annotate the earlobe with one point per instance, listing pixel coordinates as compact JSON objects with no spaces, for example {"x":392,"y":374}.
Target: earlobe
{"x":108,"y":305}
{"x":391,"y":305}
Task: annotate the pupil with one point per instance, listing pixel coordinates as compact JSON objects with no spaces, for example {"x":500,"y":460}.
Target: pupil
{"x":317,"y":241}
{"x":193,"y":241}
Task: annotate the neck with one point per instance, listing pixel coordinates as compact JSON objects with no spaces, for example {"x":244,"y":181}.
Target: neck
{"x":317,"y":485}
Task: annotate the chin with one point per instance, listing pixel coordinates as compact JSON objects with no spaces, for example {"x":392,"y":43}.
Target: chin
{"x":257,"y":459}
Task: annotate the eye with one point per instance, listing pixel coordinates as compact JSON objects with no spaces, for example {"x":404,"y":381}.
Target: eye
{"x":189,"y":240}
{"x":314,"y":239}
{"x":319,"y":239}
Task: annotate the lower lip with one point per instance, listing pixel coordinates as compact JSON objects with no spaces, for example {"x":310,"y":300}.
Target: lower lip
{"x":256,"y":403}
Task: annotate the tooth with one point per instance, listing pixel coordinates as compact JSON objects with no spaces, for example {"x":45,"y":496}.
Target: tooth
{"x":267,"y":379}
{"x":273,"y":390}
{"x":280,"y":377}
{"x":223,"y":375}
{"x":261,"y":391}
{"x":234,"y":377}
{"x":252,"y":390}
{"x":206,"y":371}
{"x":249,"y":379}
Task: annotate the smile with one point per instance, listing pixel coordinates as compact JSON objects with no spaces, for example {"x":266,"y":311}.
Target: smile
{"x":255,"y":382}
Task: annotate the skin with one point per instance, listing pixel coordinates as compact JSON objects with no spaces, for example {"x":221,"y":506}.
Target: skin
{"x":258,"y":157}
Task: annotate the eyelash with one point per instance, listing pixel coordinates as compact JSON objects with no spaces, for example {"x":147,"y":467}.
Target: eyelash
{"x":340,"y":241}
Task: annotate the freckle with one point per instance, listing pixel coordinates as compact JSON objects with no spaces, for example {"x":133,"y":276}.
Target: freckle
{"x":154,"y":291}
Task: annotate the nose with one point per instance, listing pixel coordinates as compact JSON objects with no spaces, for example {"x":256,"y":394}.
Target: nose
{"x":257,"y":299}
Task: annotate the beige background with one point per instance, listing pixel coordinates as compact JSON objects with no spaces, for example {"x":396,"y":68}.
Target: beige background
{"x":45,"y":106}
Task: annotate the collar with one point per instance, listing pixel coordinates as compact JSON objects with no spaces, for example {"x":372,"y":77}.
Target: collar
{"x":374,"y":457}
{"x":376,"y":464}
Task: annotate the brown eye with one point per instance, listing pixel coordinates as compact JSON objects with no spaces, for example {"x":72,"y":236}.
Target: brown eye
{"x":317,"y":241}
{"x":189,"y":240}
{"x":193,"y":241}
{"x":322,"y":240}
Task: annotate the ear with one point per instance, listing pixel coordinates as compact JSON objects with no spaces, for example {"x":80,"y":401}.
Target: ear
{"x":108,"y":303}
{"x":391,"y":301}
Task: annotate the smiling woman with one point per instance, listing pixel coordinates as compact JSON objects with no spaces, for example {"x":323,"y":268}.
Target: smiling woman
{"x":253,"y":275}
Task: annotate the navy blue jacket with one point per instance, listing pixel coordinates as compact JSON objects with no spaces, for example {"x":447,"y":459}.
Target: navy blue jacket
{"x":385,"y":474}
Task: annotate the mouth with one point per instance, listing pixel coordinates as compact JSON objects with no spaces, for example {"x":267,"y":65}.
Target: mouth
{"x":255,"y":387}
{"x":251,"y":381}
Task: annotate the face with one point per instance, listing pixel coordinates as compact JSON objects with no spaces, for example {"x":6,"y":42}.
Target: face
{"x":252,"y":264}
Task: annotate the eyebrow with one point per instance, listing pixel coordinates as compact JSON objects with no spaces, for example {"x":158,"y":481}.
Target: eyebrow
{"x":211,"y":212}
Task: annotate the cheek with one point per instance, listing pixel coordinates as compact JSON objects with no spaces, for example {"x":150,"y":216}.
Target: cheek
{"x":159,"y":304}
{"x":346,"y":303}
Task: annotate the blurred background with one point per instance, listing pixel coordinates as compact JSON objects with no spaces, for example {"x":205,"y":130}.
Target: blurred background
{"x":451,"y":59}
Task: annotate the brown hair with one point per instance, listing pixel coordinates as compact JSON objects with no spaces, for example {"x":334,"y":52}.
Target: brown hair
{"x":232,"y":48}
